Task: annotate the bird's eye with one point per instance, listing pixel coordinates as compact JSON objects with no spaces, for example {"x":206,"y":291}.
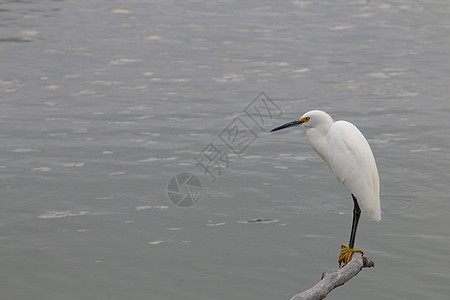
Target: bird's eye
{"x":307,"y":119}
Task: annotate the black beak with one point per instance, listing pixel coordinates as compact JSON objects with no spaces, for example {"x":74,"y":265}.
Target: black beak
{"x":290,"y":124}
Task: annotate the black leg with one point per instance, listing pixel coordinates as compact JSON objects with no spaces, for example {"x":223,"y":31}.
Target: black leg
{"x":356,"y":215}
{"x":347,"y":250}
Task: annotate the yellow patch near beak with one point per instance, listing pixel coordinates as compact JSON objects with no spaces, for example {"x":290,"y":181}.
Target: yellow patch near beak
{"x":304,"y":120}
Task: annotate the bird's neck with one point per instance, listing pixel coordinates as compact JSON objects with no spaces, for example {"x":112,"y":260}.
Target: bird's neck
{"x":318,"y":140}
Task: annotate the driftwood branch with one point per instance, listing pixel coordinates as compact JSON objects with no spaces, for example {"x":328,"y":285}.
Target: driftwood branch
{"x":331,"y":281}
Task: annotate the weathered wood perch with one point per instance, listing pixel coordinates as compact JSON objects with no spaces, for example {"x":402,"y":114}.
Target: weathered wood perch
{"x":331,"y":281}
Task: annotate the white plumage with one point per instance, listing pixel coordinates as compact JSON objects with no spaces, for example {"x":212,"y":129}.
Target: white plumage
{"x":346,"y":151}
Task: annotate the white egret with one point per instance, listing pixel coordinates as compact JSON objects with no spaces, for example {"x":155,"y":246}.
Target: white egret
{"x":345,"y":150}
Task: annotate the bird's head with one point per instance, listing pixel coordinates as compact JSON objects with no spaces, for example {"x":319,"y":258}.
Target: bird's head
{"x":311,"y":119}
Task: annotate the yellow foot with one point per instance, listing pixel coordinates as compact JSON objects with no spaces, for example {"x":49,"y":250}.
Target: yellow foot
{"x":346,"y":254}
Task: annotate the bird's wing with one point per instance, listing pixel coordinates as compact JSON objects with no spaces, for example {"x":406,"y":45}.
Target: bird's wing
{"x":352,"y":161}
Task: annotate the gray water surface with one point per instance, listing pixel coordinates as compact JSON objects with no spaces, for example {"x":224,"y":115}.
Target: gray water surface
{"x":103,"y":102}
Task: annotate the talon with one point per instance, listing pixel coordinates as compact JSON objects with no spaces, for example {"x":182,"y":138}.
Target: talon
{"x":346,"y":254}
